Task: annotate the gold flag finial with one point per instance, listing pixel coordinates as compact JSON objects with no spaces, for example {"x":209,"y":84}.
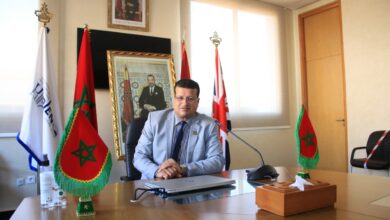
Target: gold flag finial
{"x":215,"y":39}
{"x":86,"y":28}
{"x":43,"y":15}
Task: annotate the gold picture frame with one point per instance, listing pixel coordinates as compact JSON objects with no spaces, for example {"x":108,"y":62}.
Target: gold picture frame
{"x":128,"y":14}
{"x":129,"y":75}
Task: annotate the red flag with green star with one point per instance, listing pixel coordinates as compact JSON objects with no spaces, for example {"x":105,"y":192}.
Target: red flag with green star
{"x":84,"y":94}
{"x":83,"y":162}
{"x":308,"y":154}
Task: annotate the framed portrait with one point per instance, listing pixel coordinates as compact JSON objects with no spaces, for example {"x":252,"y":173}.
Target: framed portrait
{"x":128,"y":14}
{"x":139,"y":83}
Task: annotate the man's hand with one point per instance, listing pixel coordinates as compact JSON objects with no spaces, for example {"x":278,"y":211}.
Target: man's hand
{"x":169,"y":169}
{"x":149,"y":107}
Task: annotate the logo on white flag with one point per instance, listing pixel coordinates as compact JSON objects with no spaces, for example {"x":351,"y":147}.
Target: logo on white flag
{"x":42,"y":100}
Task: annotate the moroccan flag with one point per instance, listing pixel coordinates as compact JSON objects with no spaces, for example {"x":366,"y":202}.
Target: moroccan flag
{"x":185,"y":67}
{"x":221,"y":110}
{"x":83,"y":162}
{"x":41,"y":128}
{"x":84,"y":94}
{"x":308,"y":154}
{"x":127,"y":110}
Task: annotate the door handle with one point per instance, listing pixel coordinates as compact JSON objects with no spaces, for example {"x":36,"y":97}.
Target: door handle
{"x":340,"y":120}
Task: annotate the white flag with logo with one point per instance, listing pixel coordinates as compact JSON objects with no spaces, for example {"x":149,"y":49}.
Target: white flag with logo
{"x":41,"y":128}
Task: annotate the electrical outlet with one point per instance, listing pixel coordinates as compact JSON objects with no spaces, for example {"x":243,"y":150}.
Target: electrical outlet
{"x":20,"y":181}
{"x":30,"y":179}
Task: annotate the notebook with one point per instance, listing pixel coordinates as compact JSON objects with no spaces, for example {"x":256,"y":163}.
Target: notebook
{"x":185,"y":184}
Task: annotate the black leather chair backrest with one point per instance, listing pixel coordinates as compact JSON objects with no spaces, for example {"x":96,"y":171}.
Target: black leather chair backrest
{"x":134,"y":131}
{"x":383,"y":150}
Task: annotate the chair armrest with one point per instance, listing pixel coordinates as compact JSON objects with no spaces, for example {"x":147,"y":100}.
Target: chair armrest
{"x":355,"y":149}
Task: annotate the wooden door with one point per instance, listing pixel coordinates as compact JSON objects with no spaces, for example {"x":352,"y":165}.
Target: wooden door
{"x":323,"y":83}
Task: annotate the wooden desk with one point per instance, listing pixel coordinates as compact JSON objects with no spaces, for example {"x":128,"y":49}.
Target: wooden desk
{"x":354,"y":195}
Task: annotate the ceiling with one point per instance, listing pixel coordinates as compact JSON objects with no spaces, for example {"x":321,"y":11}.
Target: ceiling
{"x":291,"y":4}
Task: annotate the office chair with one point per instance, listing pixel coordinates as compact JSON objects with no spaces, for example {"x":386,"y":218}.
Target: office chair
{"x":134,"y":131}
{"x":380,"y":160}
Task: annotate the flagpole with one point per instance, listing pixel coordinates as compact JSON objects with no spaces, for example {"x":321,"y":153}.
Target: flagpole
{"x":220,"y":104}
{"x":44,"y":16}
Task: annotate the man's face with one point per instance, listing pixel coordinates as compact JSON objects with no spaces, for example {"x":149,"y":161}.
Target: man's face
{"x":151,"y":80}
{"x":185,"y":102}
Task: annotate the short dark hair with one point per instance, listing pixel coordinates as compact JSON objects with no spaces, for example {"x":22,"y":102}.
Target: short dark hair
{"x":188,"y":84}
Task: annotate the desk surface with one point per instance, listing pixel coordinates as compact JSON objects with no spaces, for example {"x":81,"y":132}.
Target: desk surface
{"x":355,"y":193}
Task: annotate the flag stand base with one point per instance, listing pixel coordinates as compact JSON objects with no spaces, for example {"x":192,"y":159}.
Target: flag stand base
{"x":85,"y":207}
{"x":304,"y":174}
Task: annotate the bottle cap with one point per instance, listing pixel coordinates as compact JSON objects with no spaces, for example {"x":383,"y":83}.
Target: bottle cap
{"x":45,"y":162}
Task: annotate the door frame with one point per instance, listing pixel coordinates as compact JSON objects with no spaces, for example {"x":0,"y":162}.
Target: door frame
{"x":302,"y":46}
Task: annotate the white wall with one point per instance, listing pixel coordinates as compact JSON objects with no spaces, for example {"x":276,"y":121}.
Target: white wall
{"x":13,"y":165}
{"x":367,"y":54}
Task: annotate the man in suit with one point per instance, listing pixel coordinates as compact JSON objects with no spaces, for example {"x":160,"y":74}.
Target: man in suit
{"x":180,"y":141}
{"x":152,"y":97}
{"x":132,"y":10}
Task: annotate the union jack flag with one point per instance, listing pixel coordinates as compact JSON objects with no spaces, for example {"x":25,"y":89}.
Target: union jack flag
{"x":221,"y":109}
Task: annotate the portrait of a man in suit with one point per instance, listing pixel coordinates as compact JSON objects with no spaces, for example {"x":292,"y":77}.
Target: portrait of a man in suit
{"x":152,"y":97}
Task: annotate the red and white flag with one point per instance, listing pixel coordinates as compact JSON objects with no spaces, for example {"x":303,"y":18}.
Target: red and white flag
{"x":185,"y":67}
{"x":221,"y":110}
{"x":84,"y":94}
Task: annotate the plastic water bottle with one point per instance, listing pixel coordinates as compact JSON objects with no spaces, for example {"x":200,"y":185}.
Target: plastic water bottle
{"x":59,"y":197}
{"x":46,"y":179}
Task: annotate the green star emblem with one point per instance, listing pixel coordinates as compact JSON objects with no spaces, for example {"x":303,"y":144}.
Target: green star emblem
{"x":84,"y":100}
{"x":84,"y":153}
{"x":308,"y":139}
